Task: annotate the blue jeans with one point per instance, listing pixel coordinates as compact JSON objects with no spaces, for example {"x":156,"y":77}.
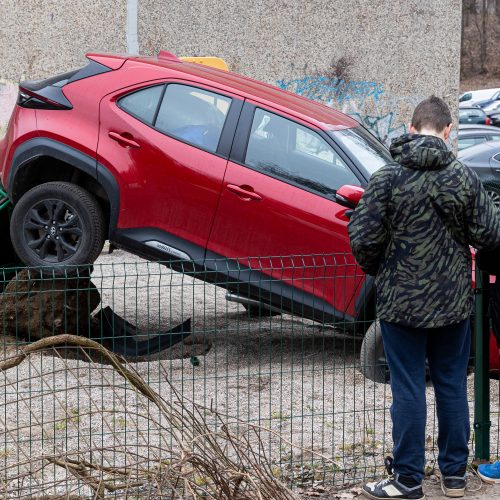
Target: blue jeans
{"x":447,"y":350}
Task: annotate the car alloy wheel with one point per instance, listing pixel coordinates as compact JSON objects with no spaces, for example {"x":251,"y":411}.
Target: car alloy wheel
{"x":53,"y":230}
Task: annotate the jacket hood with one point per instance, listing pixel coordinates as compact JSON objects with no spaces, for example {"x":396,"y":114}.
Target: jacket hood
{"x":421,"y":152}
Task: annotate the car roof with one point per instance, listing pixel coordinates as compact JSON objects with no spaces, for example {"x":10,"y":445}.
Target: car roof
{"x":477,"y":126}
{"x":488,"y":147}
{"x":324,"y":117}
{"x":469,"y":107}
{"x":469,"y":129}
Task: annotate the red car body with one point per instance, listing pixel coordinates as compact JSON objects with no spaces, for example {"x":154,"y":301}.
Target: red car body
{"x":165,"y":197}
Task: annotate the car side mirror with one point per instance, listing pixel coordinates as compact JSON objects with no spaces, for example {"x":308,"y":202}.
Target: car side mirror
{"x":349,"y":196}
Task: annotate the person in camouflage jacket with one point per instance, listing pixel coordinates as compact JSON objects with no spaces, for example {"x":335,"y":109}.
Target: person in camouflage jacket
{"x":412,"y":230}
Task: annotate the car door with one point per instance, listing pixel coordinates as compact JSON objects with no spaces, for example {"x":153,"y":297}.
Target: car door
{"x":278,"y":199}
{"x":167,"y":144}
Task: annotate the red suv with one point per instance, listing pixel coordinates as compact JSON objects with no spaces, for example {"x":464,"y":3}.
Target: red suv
{"x":176,"y":161}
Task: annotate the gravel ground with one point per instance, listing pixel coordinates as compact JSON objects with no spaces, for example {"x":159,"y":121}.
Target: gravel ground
{"x":297,"y":378}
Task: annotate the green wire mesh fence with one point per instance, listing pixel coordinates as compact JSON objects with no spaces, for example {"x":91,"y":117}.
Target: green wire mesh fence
{"x":267,"y":387}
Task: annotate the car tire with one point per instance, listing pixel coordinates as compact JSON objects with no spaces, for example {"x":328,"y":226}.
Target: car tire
{"x":493,"y":189}
{"x":372,"y":357}
{"x":258,"y":311}
{"x":57,"y":226}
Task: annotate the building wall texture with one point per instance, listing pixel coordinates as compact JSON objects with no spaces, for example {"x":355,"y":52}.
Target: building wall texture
{"x":371,"y":59}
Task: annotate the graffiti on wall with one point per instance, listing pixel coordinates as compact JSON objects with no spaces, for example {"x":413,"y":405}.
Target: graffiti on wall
{"x":365,"y":101}
{"x":8,"y":95}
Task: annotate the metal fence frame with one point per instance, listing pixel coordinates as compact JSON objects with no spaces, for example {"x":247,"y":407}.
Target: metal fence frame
{"x":150,"y":278}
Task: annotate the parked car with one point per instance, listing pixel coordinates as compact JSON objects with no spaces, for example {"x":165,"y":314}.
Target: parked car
{"x":472,"y":115}
{"x":495,"y":119}
{"x":484,"y":159}
{"x":470,"y":135}
{"x":480,"y":97}
{"x":493,"y":107}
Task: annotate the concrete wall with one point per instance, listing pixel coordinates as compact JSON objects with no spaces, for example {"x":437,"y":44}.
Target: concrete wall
{"x":397,"y":51}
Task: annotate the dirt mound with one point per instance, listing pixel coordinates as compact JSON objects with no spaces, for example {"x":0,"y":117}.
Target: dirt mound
{"x":33,"y":306}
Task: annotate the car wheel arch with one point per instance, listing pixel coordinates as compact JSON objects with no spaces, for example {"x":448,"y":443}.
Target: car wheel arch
{"x":45,"y":160}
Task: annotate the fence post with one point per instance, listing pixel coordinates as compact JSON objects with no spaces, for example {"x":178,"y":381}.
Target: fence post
{"x":482,"y":421}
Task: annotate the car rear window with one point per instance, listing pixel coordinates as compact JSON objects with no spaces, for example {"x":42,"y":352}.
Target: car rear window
{"x":471,"y":113}
{"x":364,"y":147}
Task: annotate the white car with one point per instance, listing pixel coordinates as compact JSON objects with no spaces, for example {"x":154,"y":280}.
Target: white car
{"x":474,"y":96}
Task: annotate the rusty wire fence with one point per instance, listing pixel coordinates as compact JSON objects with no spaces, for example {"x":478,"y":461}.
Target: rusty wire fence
{"x":227,"y":376}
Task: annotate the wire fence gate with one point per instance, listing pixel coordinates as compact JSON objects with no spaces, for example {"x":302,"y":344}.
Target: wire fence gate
{"x":136,"y":378}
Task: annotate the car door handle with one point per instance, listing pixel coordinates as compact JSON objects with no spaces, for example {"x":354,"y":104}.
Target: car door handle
{"x":245,"y":192}
{"x":126,"y":139}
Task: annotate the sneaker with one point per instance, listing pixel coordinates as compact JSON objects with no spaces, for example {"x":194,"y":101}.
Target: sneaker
{"x":454,"y":486}
{"x":393,"y":486}
{"x":489,"y":473}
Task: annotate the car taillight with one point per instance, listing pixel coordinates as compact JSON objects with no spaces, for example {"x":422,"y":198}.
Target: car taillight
{"x":487,"y":121}
{"x":36,"y":100}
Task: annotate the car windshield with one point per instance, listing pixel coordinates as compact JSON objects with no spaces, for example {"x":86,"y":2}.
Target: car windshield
{"x":363,"y":146}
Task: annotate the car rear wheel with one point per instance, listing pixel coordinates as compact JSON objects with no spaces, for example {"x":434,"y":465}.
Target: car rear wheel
{"x":57,"y":225}
{"x":493,"y":189}
{"x":372,"y":357}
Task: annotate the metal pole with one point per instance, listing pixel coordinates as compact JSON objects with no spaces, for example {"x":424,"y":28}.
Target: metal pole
{"x":482,"y":421}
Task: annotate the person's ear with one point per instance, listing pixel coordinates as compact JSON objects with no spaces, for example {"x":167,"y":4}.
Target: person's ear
{"x":447,"y":131}
{"x":413,"y":130}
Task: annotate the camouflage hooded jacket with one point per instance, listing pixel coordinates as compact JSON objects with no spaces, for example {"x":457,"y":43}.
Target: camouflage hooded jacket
{"x":412,"y":230}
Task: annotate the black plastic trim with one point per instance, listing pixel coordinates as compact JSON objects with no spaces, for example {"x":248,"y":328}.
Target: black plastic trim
{"x":227,"y":135}
{"x":93,"y":68}
{"x":242,"y":134}
{"x":51,"y":93}
{"x":42,"y":146}
{"x":228,"y":274}
{"x":135,"y":240}
{"x":51,"y":88}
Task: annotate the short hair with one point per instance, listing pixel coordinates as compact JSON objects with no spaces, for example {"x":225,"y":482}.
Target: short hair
{"x":431,"y":113}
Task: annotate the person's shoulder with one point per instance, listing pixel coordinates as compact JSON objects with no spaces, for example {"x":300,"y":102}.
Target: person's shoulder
{"x":456,"y":167}
{"x":385,"y":173}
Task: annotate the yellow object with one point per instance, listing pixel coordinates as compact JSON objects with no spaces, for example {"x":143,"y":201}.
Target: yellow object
{"x":214,"y":62}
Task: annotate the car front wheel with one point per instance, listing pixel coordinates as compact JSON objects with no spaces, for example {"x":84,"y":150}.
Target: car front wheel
{"x":373,"y":364}
{"x":493,"y":189}
{"x":57,"y":225}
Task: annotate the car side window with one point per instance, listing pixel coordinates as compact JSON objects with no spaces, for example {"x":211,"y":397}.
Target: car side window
{"x":294,"y":153}
{"x":495,"y":137}
{"x":193,"y":115}
{"x":143,"y":103}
